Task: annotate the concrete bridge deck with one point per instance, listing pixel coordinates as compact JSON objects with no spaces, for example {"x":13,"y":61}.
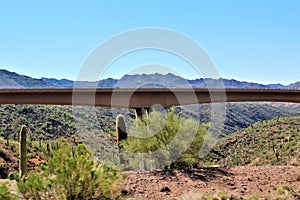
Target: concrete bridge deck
{"x":143,"y":98}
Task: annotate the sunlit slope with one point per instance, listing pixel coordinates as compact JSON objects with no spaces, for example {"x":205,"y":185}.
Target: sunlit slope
{"x":50,"y":122}
{"x":241,"y":115}
{"x":274,"y":142}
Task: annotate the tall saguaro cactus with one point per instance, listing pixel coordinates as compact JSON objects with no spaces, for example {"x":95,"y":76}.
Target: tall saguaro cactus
{"x":49,"y":149}
{"x":23,"y":151}
{"x":121,"y":134}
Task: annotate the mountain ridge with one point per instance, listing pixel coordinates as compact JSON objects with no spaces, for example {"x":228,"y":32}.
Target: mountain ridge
{"x":14,"y":80}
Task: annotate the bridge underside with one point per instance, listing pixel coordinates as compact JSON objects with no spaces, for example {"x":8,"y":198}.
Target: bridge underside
{"x":142,"y":98}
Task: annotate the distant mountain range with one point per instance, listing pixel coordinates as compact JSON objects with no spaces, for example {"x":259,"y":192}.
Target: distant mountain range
{"x":238,"y":115}
{"x":13,"y":80}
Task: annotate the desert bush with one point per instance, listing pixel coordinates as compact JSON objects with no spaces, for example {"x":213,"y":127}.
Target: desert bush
{"x":5,"y":192}
{"x":221,"y":195}
{"x":71,"y":173}
{"x":156,"y":131}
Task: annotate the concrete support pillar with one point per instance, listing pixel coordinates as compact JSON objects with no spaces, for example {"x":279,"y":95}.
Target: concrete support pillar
{"x":148,"y":110}
{"x":139,"y":112}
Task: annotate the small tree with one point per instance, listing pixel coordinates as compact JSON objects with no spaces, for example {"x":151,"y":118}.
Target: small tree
{"x":169,"y":132}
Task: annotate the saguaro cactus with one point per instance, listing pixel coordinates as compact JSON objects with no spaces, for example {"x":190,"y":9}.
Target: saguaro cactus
{"x":7,"y":139}
{"x":121,"y":134}
{"x":49,"y":149}
{"x":23,"y":151}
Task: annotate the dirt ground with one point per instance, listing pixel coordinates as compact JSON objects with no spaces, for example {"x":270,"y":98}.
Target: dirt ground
{"x":193,"y":183}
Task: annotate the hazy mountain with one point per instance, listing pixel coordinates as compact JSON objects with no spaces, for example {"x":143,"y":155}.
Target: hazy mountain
{"x":167,"y":81}
{"x":294,"y":86}
{"x":202,"y":83}
{"x":107,"y":83}
{"x":14,"y":80}
{"x":152,"y":80}
{"x":59,"y":83}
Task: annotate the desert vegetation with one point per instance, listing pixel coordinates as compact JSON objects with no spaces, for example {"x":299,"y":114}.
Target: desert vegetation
{"x":51,"y":122}
{"x":61,"y":166}
{"x":165,"y":141}
{"x":70,"y":171}
{"x":274,"y":142}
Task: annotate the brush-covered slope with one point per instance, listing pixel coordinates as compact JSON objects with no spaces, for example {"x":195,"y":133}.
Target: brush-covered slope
{"x":241,"y":115}
{"x":274,"y":142}
{"x":50,"y":122}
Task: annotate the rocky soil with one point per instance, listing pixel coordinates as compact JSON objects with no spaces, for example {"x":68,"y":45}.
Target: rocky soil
{"x":240,"y":182}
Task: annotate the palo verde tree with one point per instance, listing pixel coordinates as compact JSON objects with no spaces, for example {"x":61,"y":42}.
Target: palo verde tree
{"x":165,"y":138}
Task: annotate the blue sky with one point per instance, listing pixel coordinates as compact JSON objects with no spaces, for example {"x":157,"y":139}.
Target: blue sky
{"x":255,"y":40}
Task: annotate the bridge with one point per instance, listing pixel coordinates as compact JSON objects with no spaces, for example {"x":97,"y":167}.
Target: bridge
{"x":141,"y":98}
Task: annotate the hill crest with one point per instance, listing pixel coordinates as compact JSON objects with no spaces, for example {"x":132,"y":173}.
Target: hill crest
{"x":14,"y":80}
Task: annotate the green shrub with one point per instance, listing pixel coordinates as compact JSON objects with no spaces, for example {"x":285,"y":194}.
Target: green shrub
{"x":175,"y":135}
{"x":5,"y":192}
{"x":71,"y":173}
